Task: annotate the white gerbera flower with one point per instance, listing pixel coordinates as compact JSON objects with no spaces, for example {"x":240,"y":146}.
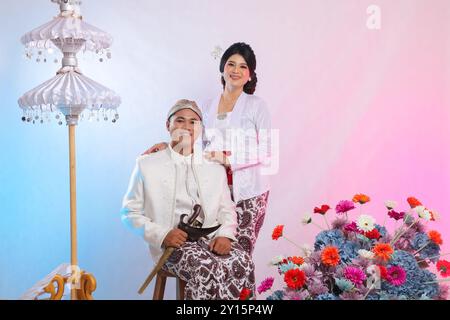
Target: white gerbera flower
{"x":390,"y":204}
{"x":426,"y":215}
{"x":423,"y":213}
{"x":306,"y":219}
{"x":365,"y":223}
{"x":366,"y":254}
{"x":276,"y":260}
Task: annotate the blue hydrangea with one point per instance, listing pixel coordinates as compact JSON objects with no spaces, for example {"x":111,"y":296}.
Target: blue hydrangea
{"x":348,"y":251}
{"x":431,"y":252}
{"x":329,"y":238}
{"x":277,"y":295}
{"x":420,"y":240}
{"x":431,"y":249}
{"x":326,"y":296}
{"x":416,"y":285}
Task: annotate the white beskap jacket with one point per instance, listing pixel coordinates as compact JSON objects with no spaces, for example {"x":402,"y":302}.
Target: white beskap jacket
{"x":148,"y":207}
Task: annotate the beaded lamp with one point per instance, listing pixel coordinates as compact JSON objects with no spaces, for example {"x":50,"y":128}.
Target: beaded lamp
{"x":72,"y":96}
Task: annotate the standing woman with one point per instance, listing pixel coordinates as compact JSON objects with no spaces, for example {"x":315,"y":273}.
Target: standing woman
{"x":237,"y":134}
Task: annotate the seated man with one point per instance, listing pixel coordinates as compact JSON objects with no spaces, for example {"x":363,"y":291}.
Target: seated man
{"x":167,"y":184}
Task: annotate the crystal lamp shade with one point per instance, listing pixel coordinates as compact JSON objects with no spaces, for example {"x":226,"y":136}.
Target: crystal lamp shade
{"x":67,"y":29}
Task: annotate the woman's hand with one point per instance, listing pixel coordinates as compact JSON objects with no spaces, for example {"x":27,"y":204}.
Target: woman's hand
{"x":219,"y":157}
{"x":175,"y":238}
{"x":220,"y":245}
{"x":157,"y":147}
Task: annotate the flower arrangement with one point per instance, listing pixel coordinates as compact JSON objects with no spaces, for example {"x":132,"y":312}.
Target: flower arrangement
{"x":358,"y":259}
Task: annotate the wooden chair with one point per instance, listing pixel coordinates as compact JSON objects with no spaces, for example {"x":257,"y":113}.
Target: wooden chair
{"x":160,"y":285}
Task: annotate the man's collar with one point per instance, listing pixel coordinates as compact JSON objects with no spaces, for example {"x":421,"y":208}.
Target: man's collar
{"x":179,"y":158}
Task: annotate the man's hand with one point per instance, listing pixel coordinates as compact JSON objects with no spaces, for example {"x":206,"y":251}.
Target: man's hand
{"x":220,"y":245}
{"x":157,"y":147}
{"x":219,"y":157}
{"x":175,"y":238}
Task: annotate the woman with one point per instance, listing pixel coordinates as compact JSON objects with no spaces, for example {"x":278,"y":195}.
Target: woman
{"x":237,"y":135}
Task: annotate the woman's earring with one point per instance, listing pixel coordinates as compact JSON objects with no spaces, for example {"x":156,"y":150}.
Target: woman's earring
{"x":249,"y":79}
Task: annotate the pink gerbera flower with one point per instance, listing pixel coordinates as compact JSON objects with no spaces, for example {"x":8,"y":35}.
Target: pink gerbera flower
{"x":355,"y":275}
{"x":265,"y":285}
{"x":443,"y":267}
{"x":396,"y":275}
{"x":344,"y":206}
{"x":351,"y":227}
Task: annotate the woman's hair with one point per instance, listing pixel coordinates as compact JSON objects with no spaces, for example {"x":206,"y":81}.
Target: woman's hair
{"x":247,"y":53}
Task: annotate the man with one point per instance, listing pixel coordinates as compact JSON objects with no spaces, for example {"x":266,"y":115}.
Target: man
{"x":167,"y":184}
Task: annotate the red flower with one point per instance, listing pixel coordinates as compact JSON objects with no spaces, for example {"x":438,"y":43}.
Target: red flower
{"x":322,"y":210}
{"x":277,"y":232}
{"x":435,"y":237}
{"x":295,"y":278}
{"x":374,"y":234}
{"x":245,"y":294}
{"x":413,"y":202}
{"x":443,"y":266}
{"x":383,"y":272}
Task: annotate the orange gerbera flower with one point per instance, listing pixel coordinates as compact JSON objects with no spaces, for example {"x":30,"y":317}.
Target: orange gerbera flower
{"x":383,"y":251}
{"x":277,"y":232}
{"x":297,"y":260}
{"x":330,"y":256}
{"x":413,"y":202}
{"x":435,"y":237}
{"x":360,"y":198}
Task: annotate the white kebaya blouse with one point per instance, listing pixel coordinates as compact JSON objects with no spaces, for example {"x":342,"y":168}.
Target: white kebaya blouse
{"x":246,"y":133}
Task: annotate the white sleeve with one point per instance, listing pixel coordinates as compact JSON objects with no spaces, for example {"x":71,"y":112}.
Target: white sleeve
{"x":133,"y":215}
{"x":259,"y":154}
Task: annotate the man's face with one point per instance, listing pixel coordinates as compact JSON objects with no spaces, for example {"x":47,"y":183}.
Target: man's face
{"x":184,"y":127}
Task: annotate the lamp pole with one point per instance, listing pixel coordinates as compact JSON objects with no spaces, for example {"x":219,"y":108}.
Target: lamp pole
{"x":73,"y":210}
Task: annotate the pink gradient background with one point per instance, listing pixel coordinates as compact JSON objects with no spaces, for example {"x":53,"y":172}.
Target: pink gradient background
{"x":368,"y":113}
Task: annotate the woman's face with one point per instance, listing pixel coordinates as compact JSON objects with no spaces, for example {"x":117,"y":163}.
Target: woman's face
{"x":236,"y":72}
